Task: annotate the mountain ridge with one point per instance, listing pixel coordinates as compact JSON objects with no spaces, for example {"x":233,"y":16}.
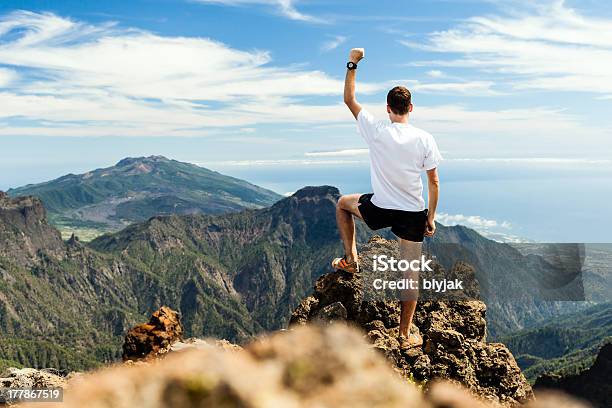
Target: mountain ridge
{"x":230,"y":275}
{"x":137,"y":188}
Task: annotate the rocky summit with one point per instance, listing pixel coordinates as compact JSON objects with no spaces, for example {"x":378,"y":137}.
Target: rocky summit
{"x":454,"y":333}
{"x":310,"y":366}
{"x":25,"y":234}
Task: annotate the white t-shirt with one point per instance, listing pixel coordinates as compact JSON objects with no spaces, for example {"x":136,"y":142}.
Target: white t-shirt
{"x":399,"y":153}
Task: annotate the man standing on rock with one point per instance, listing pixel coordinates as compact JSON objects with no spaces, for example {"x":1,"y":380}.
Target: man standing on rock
{"x":399,"y":153}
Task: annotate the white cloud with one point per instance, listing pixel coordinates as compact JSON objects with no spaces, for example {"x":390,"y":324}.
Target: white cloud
{"x":466,"y":88}
{"x":555,"y":48}
{"x":7,"y":76}
{"x":333,"y":43}
{"x":492,"y":229}
{"x":434,"y":73}
{"x":278,"y":162}
{"x":457,"y":119}
{"x":132,"y":82}
{"x":284,"y":7}
{"x":339,"y":153}
{"x":75,"y":79}
{"x":473,"y":221}
{"x":534,"y":160}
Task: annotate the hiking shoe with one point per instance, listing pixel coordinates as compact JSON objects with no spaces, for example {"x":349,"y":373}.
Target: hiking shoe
{"x":342,"y":264}
{"x":413,"y":340}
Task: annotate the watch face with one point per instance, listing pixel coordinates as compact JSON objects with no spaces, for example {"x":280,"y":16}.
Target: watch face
{"x":351,"y":65}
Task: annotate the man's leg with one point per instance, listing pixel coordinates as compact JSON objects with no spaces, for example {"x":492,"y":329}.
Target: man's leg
{"x":345,"y":210}
{"x":409,"y":250}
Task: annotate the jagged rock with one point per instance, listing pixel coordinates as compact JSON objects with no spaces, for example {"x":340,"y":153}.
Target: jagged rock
{"x":25,"y":235}
{"x":593,"y":384}
{"x":327,"y":365}
{"x":330,"y":313}
{"x":454,"y":333}
{"x":155,"y":337}
{"x":32,"y":378}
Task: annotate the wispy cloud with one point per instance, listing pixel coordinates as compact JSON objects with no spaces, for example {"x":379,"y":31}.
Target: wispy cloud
{"x":534,"y":160}
{"x":549,"y":47}
{"x":492,"y":229}
{"x":339,"y":153}
{"x":473,"y":88}
{"x":334,"y":43}
{"x":133,"y":82}
{"x":69,"y":78}
{"x":285,"y":8}
{"x":278,"y":162}
{"x":454,"y":119}
{"x":473,"y":221}
{"x":435,"y":73}
{"x":7,"y":76}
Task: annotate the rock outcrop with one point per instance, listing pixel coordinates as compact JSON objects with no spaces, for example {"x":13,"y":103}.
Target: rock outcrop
{"x":149,"y":340}
{"x":312,"y":366}
{"x":32,"y":378}
{"x":25,"y":235}
{"x":163,"y":334}
{"x":593,"y":385}
{"x":454,"y":333}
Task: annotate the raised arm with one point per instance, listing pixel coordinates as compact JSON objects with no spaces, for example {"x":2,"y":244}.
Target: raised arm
{"x":355,"y":56}
{"x":433,"y":186}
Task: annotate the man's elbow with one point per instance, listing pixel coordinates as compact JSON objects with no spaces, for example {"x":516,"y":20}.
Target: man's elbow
{"x":349,"y":101}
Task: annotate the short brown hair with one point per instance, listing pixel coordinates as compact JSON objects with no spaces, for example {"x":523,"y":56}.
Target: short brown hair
{"x":399,"y":99}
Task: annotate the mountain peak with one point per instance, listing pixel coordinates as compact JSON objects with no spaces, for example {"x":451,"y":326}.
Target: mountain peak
{"x":317,"y":192}
{"x":312,"y":199}
{"x":24,"y":231}
{"x":137,"y":188}
{"x":128,"y":161}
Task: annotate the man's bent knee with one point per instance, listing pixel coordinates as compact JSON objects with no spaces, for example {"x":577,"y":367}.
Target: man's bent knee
{"x":344,"y":202}
{"x":350,"y":203}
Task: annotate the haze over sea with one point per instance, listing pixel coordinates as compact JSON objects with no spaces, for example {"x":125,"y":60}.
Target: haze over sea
{"x":545,"y":202}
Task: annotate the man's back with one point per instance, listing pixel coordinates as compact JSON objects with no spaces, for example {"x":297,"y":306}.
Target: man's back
{"x":399,"y":153}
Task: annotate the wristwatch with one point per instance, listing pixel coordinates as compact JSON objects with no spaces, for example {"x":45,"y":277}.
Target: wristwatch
{"x":351,"y":65}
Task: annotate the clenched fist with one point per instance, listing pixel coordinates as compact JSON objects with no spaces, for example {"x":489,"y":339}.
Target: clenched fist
{"x":356,"y":55}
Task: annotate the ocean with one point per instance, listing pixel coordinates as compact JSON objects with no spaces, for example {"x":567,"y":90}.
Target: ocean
{"x":543,"y":201}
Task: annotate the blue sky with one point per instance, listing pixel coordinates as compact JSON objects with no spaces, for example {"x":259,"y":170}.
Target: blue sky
{"x":258,"y":82}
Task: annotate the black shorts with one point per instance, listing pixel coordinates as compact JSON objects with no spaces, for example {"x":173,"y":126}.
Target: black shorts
{"x":409,"y":225}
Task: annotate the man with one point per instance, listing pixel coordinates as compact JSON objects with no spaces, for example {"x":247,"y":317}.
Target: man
{"x":399,"y":153}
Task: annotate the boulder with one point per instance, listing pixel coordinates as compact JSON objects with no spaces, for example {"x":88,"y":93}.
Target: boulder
{"x":454,"y":333}
{"x":32,"y":378}
{"x":155,"y":338}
